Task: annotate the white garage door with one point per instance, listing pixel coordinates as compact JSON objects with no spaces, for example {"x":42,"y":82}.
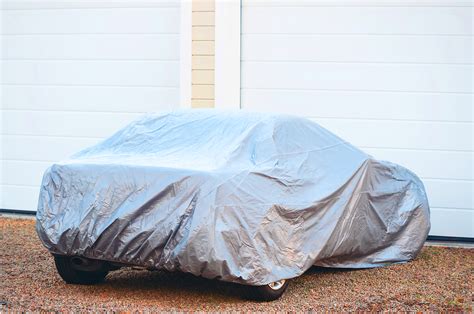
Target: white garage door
{"x":73,"y":73}
{"x":394,"y":79}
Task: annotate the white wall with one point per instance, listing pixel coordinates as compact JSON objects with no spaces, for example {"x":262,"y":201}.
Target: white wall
{"x":394,"y":78}
{"x":75,"y":72}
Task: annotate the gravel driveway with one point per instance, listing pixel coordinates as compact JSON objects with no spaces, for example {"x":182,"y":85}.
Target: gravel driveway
{"x":440,"y":279}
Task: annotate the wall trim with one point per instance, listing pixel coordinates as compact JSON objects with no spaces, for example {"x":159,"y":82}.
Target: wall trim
{"x":435,"y":238}
{"x":227,"y":54}
{"x":185,"y":55}
{"x":17,"y":211}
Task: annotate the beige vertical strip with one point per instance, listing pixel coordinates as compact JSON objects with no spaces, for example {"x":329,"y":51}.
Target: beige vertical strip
{"x":202,"y":82}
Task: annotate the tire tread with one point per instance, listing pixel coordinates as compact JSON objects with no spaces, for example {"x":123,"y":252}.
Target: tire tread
{"x":73,"y":276}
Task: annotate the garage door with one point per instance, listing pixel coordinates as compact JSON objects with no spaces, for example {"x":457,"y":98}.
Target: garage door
{"x":73,"y":73}
{"x":394,"y":79}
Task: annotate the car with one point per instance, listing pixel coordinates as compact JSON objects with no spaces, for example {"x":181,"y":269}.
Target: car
{"x":250,"y":198}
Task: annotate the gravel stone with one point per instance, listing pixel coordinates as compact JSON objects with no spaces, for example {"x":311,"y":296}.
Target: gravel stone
{"x":440,"y":279}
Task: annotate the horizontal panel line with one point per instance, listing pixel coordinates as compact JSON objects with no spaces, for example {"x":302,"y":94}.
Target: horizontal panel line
{"x":419,"y":149}
{"x":432,"y":208}
{"x":97,"y":33}
{"x":75,"y":111}
{"x":447,"y":179}
{"x":350,"y":34}
{"x":110,"y":7}
{"x":90,"y":34}
{"x":361,"y":147}
{"x":165,"y":108}
{"x":454,"y":208}
{"x":344,"y":4}
{"x":354,"y":90}
{"x":426,"y":179}
{"x":203,"y":55}
{"x":355,"y":62}
{"x":91,"y":85}
{"x":98,"y":86}
{"x":199,"y":98}
{"x":90,"y":59}
{"x":21,"y":185}
{"x":358,"y":34}
{"x":30,"y":160}
{"x":244,"y":7}
{"x":393,"y":120}
{"x":54,"y":136}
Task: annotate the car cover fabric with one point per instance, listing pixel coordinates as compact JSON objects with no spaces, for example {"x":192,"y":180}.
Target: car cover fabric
{"x":241,"y":197}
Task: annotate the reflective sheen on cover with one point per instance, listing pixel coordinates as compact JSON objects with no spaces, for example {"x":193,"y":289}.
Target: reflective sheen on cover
{"x":242,"y":197}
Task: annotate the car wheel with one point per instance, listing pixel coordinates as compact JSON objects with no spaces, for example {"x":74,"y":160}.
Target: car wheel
{"x":269,"y":292}
{"x":80,"y":271}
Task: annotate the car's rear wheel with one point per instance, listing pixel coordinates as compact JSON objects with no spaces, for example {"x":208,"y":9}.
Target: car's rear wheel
{"x":77,"y":270}
{"x":269,"y":292}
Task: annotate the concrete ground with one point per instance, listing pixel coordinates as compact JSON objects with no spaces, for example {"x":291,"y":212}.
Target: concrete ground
{"x":440,"y":279}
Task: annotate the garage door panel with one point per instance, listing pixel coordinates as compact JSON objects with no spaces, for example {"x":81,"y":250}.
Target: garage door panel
{"x":76,"y":72}
{"x":430,"y":164}
{"x":357,"y":76}
{"x":90,"y":98}
{"x":450,"y":193}
{"x":24,"y":173}
{"x":51,"y":149}
{"x":355,"y":20}
{"x":74,"y":124}
{"x":363,"y":48}
{"x":92,"y":20}
{"x":357,"y":104}
{"x":121,"y":73}
{"x":402,"y":134}
{"x":92,"y":46}
{"x":452,"y":222}
{"x":19,"y":197}
{"x":393,"y":78}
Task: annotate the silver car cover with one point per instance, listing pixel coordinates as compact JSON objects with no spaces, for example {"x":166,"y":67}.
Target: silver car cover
{"x":241,"y":197}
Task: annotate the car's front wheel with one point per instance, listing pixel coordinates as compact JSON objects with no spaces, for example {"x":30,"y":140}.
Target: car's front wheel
{"x":269,"y":292}
{"x":77,"y":270}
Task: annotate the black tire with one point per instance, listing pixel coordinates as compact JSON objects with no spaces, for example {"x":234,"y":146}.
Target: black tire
{"x":266,"y":292}
{"x":73,"y":276}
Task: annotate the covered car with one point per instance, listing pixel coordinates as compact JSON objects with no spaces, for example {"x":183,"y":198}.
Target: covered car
{"x":249,"y":198}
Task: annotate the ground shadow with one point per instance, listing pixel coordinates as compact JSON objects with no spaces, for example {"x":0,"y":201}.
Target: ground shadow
{"x":129,"y":279}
